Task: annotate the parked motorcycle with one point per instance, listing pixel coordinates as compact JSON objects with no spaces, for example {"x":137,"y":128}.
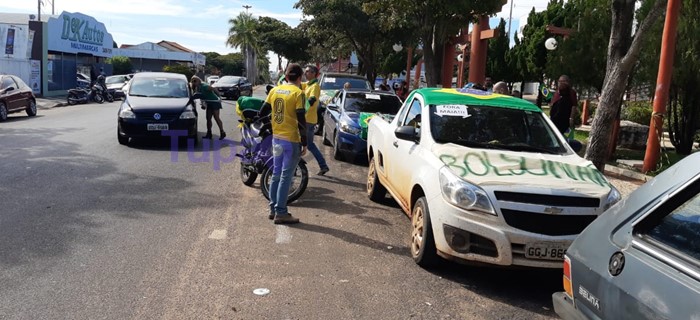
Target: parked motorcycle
{"x":256,"y":159}
{"x":83,"y":95}
{"x":107,"y":95}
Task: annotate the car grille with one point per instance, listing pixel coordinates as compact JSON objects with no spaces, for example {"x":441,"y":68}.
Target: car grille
{"x":548,"y":224}
{"x":547,"y":200}
{"x":148,"y":116}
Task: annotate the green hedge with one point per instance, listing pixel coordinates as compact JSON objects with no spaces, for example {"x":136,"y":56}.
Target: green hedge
{"x":637,"y":111}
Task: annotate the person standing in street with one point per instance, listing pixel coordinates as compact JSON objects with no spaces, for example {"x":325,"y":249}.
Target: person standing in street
{"x":312,"y":94}
{"x":286,"y":105}
{"x":564,"y":106}
{"x":212,"y":99}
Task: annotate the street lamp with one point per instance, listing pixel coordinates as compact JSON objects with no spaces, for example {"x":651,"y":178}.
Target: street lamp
{"x":397,"y":47}
{"x":551,"y":44}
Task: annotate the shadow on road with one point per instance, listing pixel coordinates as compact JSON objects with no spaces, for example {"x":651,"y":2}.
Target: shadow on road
{"x":164,"y":144}
{"x":322,"y":198}
{"x":354,"y":239}
{"x":527,"y":288}
{"x":20,"y":117}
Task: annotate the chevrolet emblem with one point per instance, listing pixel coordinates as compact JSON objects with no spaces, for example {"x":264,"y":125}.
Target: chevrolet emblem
{"x":553,"y":210}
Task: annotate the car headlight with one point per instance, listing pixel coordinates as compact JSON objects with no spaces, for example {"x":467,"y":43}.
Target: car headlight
{"x":463,"y":194}
{"x":188,"y":113}
{"x":613,"y":197}
{"x":125,"y":112}
{"x":348,"y":128}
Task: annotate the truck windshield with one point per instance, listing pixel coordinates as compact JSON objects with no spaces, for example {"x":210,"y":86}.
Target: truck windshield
{"x":493,"y":128}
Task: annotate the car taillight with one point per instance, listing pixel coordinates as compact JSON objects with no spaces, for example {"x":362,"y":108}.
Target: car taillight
{"x":568,"y":287}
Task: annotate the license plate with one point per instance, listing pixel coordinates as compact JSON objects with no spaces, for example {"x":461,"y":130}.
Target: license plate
{"x":157,"y":126}
{"x":546,"y":250}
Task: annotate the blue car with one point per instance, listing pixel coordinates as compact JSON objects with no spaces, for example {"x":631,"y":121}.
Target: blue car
{"x":341,"y":125}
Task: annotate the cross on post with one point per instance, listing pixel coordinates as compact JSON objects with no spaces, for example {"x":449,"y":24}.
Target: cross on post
{"x":480,"y":36}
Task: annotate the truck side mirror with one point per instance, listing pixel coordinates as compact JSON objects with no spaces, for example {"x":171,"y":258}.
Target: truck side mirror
{"x":407,"y":133}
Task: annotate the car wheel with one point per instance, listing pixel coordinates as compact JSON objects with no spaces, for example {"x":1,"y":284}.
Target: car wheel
{"x":423,"y":248}
{"x":123,"y":140}
{"x":337,"y":155}
{"x":31,"y":109}
{"x":3,"y":112}
{"x":375,"y":190}
{"x":326,"y":142}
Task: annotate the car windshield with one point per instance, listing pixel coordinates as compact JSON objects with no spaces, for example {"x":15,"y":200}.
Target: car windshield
{"x":228,"y":80}
{"x":336,"y":83}
{"x":371,"y":102}
{"x":158,"y":87}
{"x":115,"y":79}
{"x":493,"y":128}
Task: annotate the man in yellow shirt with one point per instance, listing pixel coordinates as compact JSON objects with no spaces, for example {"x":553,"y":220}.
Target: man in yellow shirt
{"x":313,"y":93}
{"x":285,"y":104}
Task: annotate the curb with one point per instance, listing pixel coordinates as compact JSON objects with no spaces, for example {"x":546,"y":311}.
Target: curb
{"x":628,"y":173}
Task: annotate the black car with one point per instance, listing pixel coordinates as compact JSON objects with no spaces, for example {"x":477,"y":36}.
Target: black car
{"x":157,"y":104}
{"x":232,"y":87}
{"x":15,"y":96}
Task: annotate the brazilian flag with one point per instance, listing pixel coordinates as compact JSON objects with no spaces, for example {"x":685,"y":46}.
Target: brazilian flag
{"x":546,"y":92}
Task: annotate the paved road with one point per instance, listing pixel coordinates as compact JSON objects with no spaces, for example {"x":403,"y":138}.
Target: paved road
{"x":90,"y":229}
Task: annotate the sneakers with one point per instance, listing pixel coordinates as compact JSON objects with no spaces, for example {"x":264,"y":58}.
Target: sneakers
{"x":323,"y":171}
{"x":285,"y":219}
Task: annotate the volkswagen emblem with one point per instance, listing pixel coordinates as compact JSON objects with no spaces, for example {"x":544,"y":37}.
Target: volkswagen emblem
{"x":553,"y":210}
{"x":156,"y":116}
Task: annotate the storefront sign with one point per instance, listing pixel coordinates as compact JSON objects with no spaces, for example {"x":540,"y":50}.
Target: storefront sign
{"x":35,"y":76}
{"x":79,"y":33}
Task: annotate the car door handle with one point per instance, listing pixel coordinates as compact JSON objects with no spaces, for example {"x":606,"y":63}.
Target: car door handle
{"x":396,"y":144}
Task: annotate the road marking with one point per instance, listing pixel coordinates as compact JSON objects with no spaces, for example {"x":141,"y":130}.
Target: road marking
{"x":218,"y":234}
{"x":283,"y":235}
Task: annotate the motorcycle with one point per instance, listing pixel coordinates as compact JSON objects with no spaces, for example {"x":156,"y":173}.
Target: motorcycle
{"x":84,"y":95}
{"x":107,"y":95}
{"x":256,"y":159}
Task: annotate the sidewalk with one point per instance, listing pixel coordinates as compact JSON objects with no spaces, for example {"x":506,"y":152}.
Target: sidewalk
{"x":50,"y":102}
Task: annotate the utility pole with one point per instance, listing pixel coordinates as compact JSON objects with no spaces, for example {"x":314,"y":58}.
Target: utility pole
{"x":663,"y":82}
{"x":510,"y":19}
{"x":39,"y":8}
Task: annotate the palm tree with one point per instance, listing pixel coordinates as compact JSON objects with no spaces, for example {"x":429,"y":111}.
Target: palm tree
{"x":242,"y":34}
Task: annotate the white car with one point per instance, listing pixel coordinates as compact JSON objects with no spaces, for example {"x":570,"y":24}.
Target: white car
{"x":484,"y":177}
{"x":212,"y":79}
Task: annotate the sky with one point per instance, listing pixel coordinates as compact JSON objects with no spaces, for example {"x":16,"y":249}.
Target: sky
{"x":200,"y":25}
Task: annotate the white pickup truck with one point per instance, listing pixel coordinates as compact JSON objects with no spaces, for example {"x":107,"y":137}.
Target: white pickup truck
{"x":484,"y":178}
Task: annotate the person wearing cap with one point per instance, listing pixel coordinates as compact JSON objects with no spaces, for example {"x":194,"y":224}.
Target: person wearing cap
{"x":285,"y":104}
{"x":312,"y":92}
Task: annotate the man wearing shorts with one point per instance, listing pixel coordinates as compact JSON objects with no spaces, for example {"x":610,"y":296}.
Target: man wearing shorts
{"x":213,"y":105}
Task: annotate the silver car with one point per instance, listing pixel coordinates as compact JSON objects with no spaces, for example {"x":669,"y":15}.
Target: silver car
{"x":641,"y":258}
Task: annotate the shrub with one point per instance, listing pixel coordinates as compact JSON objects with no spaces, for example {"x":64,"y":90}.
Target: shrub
{"x":637,"y":111}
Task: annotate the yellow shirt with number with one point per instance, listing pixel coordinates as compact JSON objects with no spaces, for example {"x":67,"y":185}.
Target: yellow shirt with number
{"x":312,"y":90}
{"x":285,"y":101}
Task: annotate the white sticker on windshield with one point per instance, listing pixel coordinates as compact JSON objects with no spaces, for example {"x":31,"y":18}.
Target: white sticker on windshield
{"x":452,"y":111}
{"x":373,"y":96}
{"x":329,"y":80}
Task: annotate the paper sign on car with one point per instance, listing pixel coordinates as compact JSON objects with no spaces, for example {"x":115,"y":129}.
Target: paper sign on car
{"x":452,"y":111}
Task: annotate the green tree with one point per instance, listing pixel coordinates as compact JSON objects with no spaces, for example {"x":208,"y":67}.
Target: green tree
{"x":434,"y":22}
{"x":121,"y":65}
{"x":283,"y":40}
{"x":497,"y":64}
{"x":623,"y":54}
{"x":243,"y":34}
{"x":683,"y":112}
{"x":179,"y":68}
{"x":350,"y":26}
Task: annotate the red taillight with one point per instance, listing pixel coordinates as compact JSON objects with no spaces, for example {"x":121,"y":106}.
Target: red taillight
{"x":568,"y":287}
